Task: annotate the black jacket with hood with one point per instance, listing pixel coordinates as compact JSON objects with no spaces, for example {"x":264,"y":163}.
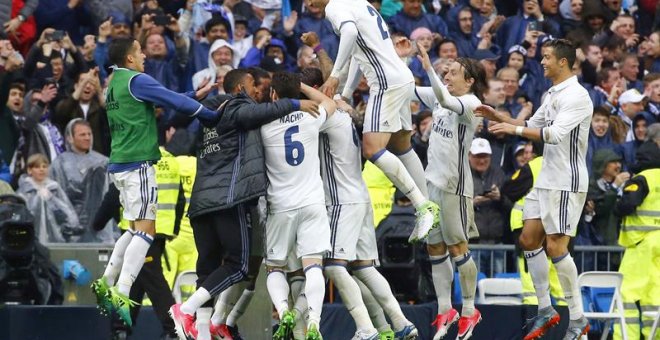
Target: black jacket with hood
{"x":231,"y":167}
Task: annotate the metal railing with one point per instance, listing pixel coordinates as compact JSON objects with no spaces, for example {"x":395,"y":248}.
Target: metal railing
{"x":501,"y":258}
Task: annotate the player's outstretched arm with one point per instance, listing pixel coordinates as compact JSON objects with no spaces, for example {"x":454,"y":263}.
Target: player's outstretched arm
{"x":250,"y":116}
{"x":493,"y":115}
{"x":328,"y":104}
{"x":349,"y":33}
{"x":145,"y":88}
{"x":445,"y":98}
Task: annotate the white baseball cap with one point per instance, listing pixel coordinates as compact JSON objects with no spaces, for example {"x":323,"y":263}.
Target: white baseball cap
{"x":480,"y":146}
{"x":630,"y":96}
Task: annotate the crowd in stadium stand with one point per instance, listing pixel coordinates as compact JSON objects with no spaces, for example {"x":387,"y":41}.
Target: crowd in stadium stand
{"x":54,"y":133}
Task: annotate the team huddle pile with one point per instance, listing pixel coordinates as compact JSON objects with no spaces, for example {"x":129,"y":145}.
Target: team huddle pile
{"x":321,"y":223}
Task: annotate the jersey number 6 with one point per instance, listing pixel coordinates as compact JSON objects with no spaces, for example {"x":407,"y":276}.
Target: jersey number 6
{"x":383,"y":31}
{"x":294,"y":151}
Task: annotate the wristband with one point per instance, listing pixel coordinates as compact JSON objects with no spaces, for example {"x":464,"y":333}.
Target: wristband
{"x":519,"y":130}
{"x":318,"y":48}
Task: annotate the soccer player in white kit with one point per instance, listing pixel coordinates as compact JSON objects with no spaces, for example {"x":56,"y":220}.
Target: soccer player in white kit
{"x":553,"y":207}
{"x":450,"y":185}
{"x":297,"y":221}
{"x":387,"y":121}
{"x":353,"y":236}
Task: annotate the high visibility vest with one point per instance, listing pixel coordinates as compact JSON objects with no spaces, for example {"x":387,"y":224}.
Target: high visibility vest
{"x":646,"y":217}
{"x":516,"y":218}
{"x":169,"y":182}
{"x":187,"y":170}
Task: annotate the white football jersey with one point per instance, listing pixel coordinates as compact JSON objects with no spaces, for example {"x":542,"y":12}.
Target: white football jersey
{"x":374,"y":50}
{"x":451,"y":137}
{"x":564,"y":118}
{"x":341,"y":161}
{"x":291,"y":146}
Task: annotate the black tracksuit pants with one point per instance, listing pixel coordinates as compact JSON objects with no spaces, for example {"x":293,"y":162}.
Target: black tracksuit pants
{"x":222,"y":239}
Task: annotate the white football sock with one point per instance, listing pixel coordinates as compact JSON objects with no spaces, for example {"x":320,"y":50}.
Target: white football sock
{"x":467,"y":272}
{"x":381,"y":290}
{"x":413,"y":164}
{"x":537,"y":266}
{"x":397,"y":173}
{"x":202,"y":323}
{"x":314,"y":292}
{"x":117,"y":257}
{"x":195,"y":301}
{"x":443,"y":276}
{"x":133,"y":260}
{"x":350,"y":295}
{"x":226,"y":302}
{"x":567,"y":272}
{"x":240,"y":307}
{"x":278,"y":289}
{"x":376,"y":312}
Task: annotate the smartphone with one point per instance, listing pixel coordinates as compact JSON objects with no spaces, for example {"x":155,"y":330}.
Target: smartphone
{"x":161,"y":20}
{"x":55,"y":35}
{"x":50,"y":81}
{"x":533,"y":26}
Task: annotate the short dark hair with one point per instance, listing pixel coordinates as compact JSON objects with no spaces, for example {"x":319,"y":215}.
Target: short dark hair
{"x":233,"y":78}
{"x":601,"y":111}
{"x":651,"y":77}
{"x":604,"y":74}
{"x":562,"y":49}
{"x":312,"y":76}
{"x":215,"y":21}
{"x":286,"y":84}
{"x":473,"y":69}
{"x":17,"y":86}
{"x":258,"y":73}
{"x":447,"y":41}
{"x":56,"y":55}
{"x":118,"y":50}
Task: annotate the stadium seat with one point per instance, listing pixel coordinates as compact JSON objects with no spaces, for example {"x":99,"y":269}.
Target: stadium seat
{"x":500,"y":292}
{"x":515,"y":275}
{"x":186,"y":278}
{"x":458,"y":297}
{"x":656,"y":316}
{"x":615,"y":309}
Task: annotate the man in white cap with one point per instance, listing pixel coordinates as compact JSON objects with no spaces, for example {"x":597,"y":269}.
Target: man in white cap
{"x":489,"y":211}
{"x":631,"y":102}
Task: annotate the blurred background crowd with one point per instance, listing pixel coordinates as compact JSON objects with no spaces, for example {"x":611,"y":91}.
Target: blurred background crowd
{"x":54,"y":133}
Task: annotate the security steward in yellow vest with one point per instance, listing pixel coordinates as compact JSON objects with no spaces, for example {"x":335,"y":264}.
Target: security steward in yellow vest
{"x":639,"y":207}
{"x":520,"y":183}
{"x":181,"y":251}
{"x":150,"y":280}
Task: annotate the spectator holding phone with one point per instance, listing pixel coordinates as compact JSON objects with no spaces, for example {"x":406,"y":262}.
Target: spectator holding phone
{"x":489,"y":205}
{"x":70,"y":16}
{"x":530,"y":18}
{"x":54,"y":59}
{"x":115,"y":26}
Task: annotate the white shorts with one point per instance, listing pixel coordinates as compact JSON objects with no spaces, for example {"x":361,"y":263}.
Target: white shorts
{"x":558,"y":210}
{"x":456,"y":218}
{"x":352,"y":232}
{"x":389,"y":110}
{"x":302,"y":232}
{"x":138,"y":193}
